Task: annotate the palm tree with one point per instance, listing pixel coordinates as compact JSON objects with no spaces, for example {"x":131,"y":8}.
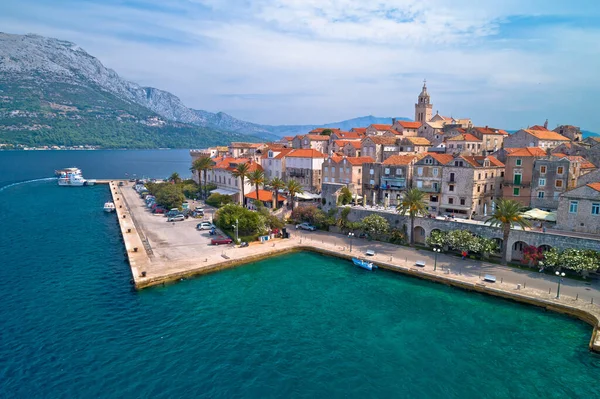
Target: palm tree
{"x":506,"y":215}
{"x":175,"y":178}
{"x":414,"y":204}
{"x":241,"y":171}
{"x":276,"y":185}
{"x":293,"y":187}
{"x":203,"y":164}
{"x":257,"y":178}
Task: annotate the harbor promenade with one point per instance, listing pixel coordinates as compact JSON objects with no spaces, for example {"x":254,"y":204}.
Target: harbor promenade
{"x":162,"y":252}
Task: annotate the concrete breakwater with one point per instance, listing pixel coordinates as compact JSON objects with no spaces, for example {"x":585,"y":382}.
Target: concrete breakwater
{"x":175,"y":251}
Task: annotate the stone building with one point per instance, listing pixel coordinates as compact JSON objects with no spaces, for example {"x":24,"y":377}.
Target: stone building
{"x":465,"y":144}
{"x":423,"y":107}
{"x":536,"y":136}
{"x":345,"y":170}
{"x":347,"y":136}
{"x":248,"y":150}
{"x":579,"y":209}
{"x":227,"y":184}
{"x":273,"y":163}
{"x":377,"y":129}
{"x":413,"y":145}
{"x":305,"y":166}
{"x":571,"y":132}
{"x":427,"y":177}
{"x":470,"y":184}
{"x":352,"y":149}
{"x":316,"y":142}
{"x":571,"y":148}
{"x":519,"y":173}
{"x":377,"y":147}
{"x":492,"y":139}
{"x":432,"y":131}
{"x":406,"y":128}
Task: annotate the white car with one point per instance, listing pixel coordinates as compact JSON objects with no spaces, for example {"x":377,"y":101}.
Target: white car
{"x":305,"y":226}
{"x":205,"y":226}
{"x":176,"y":218}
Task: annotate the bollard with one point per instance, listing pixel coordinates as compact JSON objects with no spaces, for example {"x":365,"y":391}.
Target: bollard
{"x":577,"y":296}
{"x":120,"y":206}
{"x":124,"y":216}
{"x":479,"y":274}
{"x":129,"y":230}
{"x":501,"y":280}
{"x":135,"y":249}
{"x":390,"y":258}
{"x":524,"y":285}
{"x":406,"y":260}
{"x":143,"y":274}
{"x":206,"y":259}
{"x":592,"y":302}
{"x":549,"y":290}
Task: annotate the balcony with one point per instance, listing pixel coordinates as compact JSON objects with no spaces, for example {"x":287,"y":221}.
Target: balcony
{"x":297,"y":174}
{"x":430,"y":189}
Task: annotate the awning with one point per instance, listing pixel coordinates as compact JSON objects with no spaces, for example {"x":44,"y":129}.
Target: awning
{"x":538,"y":214}
{"x":308,"y":196}
{"x":223,"y":191}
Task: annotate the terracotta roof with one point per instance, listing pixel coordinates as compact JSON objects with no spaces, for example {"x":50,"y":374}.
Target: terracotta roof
{"x":477,"y":161}
{"x":559,"y":154}
{"x":381,"y":127}
{"x":526,"y":152}
{"x":494,"y":161}
{"x":409,"y":125}
{"x":585,"y":164}
{"x":306,"y":153}
{"x":316,"y":137}
{"x":538,"y":127}
{"x":242,"y":145}
{"x":355,"y":144}
{"x":283,"y":152}
{"x":359,"y":160}
{"x":288,"y":138}
{"x":441,"y":158}
{"x":320,"y":130}
{"x":546,"y":135}
{"x":349,"y":135}
{"x":381,"y":140}
{"x":399,"y":160}
{"x":336,"y":157}
{"x":595,"y":186}
{"x":341,"y":143}
{"x":463,"y":137}
{"x":264,"y":195}
{"x":436,"y":124}
{"x":362,"y":130}
{"x":224,"y":162}
{"x":490,"y":130}
{"x":418,"y":140}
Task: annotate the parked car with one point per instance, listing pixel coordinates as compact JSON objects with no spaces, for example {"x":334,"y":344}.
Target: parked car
{"x":306,"y":226}
{"x":205,"y":226}
{"x":173,"y":212}
{"x":221,"y":240}
{"x":176,"y":218}
{"x":159,"y":210}
{"x":363,"y":235}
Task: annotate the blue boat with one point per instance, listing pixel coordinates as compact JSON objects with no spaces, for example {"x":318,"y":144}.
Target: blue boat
{"x":364,"y":264}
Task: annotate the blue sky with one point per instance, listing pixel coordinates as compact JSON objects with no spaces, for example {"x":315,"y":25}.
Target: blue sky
{"x":509,"y":63}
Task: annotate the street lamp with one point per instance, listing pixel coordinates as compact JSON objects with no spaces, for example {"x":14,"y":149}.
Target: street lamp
{"x":235,"y":226}
{"x":436,"y":251}
{"x":560,"y":277}
{"x":351,"y":236}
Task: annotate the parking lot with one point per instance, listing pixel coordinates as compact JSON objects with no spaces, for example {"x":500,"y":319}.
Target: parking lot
{"x":173,"y":241}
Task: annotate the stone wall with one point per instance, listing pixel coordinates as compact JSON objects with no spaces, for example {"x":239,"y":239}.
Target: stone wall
{"x":424,"y":226}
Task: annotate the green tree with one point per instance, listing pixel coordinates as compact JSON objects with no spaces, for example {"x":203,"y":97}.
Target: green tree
{"x":326,"y":132}
{"x":218,"y":200}
{"x":293,"y":187}
{"x":551,"y":258}
{"x":462,"y":240}
{"x":343,"y":222}
{"x":345,"y":196}
{"x":257,"y":178}
{"x":241,"y":171}
{"x":507,"y":214}
{"x":375,"y":225}
{"x":276,"y":184}
{"x":487,"y":246}
{"x":169,"y":195}
{"x":174,"y":178}
{"x":437,"y":238}
{"x":248,"y":222}
{"x":413,"y":203}
{"x":202,"y":165}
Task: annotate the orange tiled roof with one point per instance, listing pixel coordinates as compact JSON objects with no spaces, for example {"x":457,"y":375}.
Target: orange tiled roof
{"x":264,"y":195}
{"x":335,"y":157}
{"x":494,"y":161}
{"x":409,"y":125}
{"x":490,"y":130}
{"x":526,"y":152}
{"x":418,"y":140}
{"x":349,"y":135}
{"x":341,"y":143}
{"x":546,"y":135}
{"x":362,"y":130}
{"x":441,"y":158}
{"x":319,"y":130}
{"x":288,"y":138}
{"x":477,"y":161}
{"x":399,"y":160}
{"x":381,"y":140}
{"x":595,"y":186}
{"x":359,"y":160}
{"x":355,"y":144}
{"x":538,"y":127}
{"x":242,"y":145}
{"x":283,"y":152}
{"x":381,"y":127}
{"x":316,"y":137}
{"x":463,"y":137}
{"x":306,"y":153}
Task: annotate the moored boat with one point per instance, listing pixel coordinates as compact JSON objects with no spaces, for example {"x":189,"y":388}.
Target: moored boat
{"x":72,"y":177}
{"x":364,"y":264}
{"x":109,"y":207}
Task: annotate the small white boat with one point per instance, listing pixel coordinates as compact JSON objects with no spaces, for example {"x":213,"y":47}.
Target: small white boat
{"x":109,"y":207}
{"x":72,"y":177}
{"x":364,"y":264}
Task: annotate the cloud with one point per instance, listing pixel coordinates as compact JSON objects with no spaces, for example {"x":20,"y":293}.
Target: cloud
{"x":509,"y":63}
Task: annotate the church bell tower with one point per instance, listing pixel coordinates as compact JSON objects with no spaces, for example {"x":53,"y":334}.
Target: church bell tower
{"x":423,"y":107}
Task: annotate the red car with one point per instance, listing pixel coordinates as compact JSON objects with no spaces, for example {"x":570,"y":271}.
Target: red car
{"x":221,"y":240}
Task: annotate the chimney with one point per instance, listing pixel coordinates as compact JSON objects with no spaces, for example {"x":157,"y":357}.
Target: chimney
{"x":546,"y":124}
{"x":393,"y":121}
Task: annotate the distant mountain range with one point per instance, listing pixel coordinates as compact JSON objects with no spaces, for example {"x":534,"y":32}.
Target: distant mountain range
{"x":52,"y":92}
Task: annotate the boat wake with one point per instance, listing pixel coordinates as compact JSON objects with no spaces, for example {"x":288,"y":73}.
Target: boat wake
{"x":26,"y":182}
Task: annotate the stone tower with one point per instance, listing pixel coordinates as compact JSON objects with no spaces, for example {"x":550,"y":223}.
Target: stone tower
{"x":423,"y":107}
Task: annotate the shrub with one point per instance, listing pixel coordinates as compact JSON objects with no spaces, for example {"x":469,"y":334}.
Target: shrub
{"x":218,"y":200}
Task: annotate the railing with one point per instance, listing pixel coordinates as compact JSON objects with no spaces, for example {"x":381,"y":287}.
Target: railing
{"x":430,"y":189}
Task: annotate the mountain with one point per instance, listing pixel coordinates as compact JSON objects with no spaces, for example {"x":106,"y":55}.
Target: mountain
{"x":587,"y":133}
{"x":53,"y":92}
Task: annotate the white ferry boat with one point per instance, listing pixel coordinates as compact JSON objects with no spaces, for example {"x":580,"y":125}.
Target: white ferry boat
{"x":109,"y":207}
{"x":72,"y":177}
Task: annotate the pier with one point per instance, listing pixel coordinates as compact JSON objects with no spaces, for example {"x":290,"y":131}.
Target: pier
{"x":161,"y":252}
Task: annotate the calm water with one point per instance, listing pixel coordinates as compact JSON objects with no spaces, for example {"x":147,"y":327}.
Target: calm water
{"x":298,"y":326}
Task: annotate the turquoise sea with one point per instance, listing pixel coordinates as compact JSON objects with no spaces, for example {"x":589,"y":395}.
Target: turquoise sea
{"x":302,"y":325}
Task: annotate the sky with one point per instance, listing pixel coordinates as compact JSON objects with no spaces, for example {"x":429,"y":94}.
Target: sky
{"x":508,"y":64}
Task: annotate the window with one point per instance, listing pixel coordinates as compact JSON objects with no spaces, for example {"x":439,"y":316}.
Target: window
{"x":558,"y":183}
{"x":326,"y":169}
{"x":434,"y":171}
{"x":359,"y":170}
{"x":540,"y":194}
{"x":387,"y":171}
{"x":451,"y":187}
{"x":399,"y":172}
{"x":596,"y":209}
{"x":486,"y":175}
{"x":452,"y":176}
{"x":419,"y":183}
{"x":371,"y":172}
{"x":462,"y":201}
{"x":518,"y":162}
{"x":543,"y":169}
{"x":542,"y":182}
{"x":573,"y":206}
{"x":358,"y":181}
{"x":517,"y":178}
{"x":560,"y":170}
{"x":502,"y":174}
{"x":478,"y":188}
{"x":326,"y":179}
{"x":371,"y":181}
{"x":420,"y":171}
{"x":429,"y":161}
{"x":333,"y":179}
{"x":451,"y":200}
{"x":479,"y":176}
{"x":516,"y":191}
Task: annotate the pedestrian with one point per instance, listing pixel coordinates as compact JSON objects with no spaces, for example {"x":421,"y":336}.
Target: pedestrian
{"x":464,"y":254}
